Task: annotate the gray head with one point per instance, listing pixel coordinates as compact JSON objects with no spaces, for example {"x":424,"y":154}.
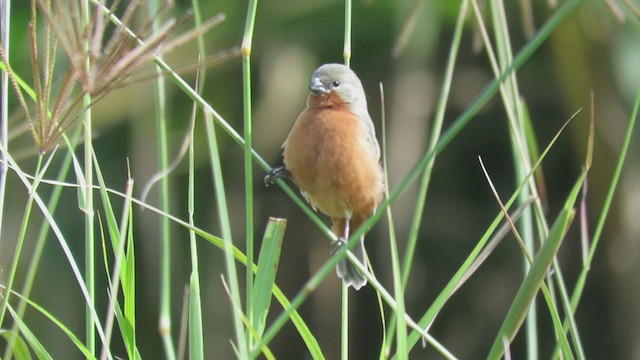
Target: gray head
{"x":342,"y":81}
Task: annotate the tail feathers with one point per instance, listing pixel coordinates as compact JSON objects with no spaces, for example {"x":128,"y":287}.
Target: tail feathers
{"x":348,"y":271}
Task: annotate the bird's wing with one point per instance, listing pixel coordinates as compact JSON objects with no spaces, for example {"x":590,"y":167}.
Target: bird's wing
{"x":370,"y":131}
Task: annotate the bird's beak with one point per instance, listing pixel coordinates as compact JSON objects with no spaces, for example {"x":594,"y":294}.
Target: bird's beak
{"x":318,"y":87}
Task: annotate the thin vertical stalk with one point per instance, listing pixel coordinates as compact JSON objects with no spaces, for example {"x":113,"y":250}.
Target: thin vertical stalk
{"x":398,"y":287}
{"x":202,"y":70}
{"x":88,"y":200}
{"x":247,"y":41}
{"x":521,"y":156}
{"x":346,"y":53}
{"x":165,"y":228}
{"x":5,"y":12}
{"x":195,"y":329}
{"x":89,"y":227}
{"x":196,"y":344}
{"x":344,"y":339}
{"x":225,"y":224}
{"x":117,"y":267}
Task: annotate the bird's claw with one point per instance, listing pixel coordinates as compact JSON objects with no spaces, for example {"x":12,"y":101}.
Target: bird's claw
{"x":275,"y":174}
{"x":337,"y":244}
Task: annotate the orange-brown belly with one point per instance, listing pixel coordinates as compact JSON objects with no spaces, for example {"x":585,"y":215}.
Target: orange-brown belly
{"x":326,"y":156}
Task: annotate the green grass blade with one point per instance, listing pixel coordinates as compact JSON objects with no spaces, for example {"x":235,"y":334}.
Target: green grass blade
{"x":76,"y":341}
{"x":384,"y":353}
{"x":112,"y":223}
{"x":315,"y":351}
{"x":118,"y":234}
{"x":541,"y":264}
{"x":246,"y":49}
{"x":195,"y":322}
{"x":344,"y":322}
{"x":126,"y":327}
{"x":195,"y":327}
{"x":543,"y":287}
{"x":129,"y":293}
{"x":225,"y":224}
{"x":30,"y":338}
{"x":386,"y":345}
{"x":266,"y":352}
{"x":266,"y":276}
{"x":614,"y":183}
{"x":128,"y":332}
{"x":582,"y":278}
{"x":398,"y":292}
{"x":344,"y":309}
{"x":89,"y":218}
{"x":196,"y":342}
{"x":202,"y":50}
{"x":562,"y":288}
{"x":20,"y":349}
{"x":346,"y":52}
{"x":398,"y":285}
{"x":160,"y":107}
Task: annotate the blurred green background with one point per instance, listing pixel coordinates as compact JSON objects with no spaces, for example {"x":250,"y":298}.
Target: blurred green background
{"x":402,"y":44}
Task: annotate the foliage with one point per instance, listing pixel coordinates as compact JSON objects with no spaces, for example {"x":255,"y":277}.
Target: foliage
{"x":445,"y":264}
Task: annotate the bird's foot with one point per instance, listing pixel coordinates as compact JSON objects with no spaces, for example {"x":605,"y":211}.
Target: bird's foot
{"x":275,"y":174}
{"x":338,"y":245}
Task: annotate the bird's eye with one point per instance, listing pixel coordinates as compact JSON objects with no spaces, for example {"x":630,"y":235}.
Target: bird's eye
{"x":336,"y":84}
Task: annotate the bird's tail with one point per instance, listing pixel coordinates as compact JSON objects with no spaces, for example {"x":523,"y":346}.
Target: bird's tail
{"x":348,"y":272}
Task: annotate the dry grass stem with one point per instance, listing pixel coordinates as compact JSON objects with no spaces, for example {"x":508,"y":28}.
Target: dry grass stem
{"x":96,"y":65}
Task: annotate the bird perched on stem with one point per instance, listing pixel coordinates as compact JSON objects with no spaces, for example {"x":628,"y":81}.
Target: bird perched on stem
{"x":333,"y":157}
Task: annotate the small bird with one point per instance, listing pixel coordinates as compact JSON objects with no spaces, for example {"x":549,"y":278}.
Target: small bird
{"x":333,"y":157}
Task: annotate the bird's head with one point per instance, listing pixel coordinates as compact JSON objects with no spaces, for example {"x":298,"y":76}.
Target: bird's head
{"x":338,"y":79}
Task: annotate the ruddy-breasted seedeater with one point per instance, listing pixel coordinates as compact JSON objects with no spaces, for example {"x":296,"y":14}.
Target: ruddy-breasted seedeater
{"x":333,"y":157}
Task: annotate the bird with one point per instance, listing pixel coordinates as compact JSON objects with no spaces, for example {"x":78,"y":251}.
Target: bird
{"x":332,"y":155}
